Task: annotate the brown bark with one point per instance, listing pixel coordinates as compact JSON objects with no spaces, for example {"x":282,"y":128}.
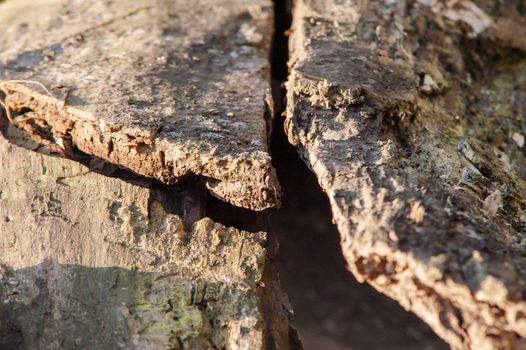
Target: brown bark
{"x":164,"y":88}
{"x":411,"y":114}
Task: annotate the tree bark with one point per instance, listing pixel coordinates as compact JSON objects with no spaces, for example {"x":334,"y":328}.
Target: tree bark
{"x":94,"y":262}
{"x":167,"y":89}
{"x":411,"y":114}
{"x":94,"y":256}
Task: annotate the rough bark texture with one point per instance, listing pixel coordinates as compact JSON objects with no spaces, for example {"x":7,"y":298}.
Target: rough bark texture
{"x":94,"y":262}
{"x":164,"y":88}
{"x":411,"y":114}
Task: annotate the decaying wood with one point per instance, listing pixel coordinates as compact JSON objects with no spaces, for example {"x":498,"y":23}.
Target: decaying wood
{"x":164,"y":88}
{"x":412,"y":115}
{"x":94,"y":262}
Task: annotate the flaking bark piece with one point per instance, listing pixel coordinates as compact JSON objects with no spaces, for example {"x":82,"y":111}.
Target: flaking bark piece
{"x":406,"y":113}
{"x":164,"y":88}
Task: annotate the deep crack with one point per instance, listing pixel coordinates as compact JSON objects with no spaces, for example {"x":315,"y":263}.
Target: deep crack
{"x":332,"y":308}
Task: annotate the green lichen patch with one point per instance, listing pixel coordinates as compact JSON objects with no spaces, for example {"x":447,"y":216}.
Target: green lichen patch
{"x":109,"y":308}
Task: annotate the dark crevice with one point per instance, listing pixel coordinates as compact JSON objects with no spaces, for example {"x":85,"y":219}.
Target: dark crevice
{"x":232,"y":216}
{"x":280,"y":44}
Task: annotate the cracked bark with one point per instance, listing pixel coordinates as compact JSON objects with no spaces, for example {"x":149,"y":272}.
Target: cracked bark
{"x":171,"y":90}
{"x":411,"y":114}
{"x":416,"y":138}
{"x":91,"y":261}
{"x":115,"y":267}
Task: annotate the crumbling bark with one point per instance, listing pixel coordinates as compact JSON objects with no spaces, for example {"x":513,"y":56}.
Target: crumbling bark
{"x":164,"y":88}
{"x":411,"y":114}
{"x":94,"y":262}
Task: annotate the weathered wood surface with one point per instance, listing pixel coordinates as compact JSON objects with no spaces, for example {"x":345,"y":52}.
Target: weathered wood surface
{"x":412,"y":115}
{"x":164,"y":88}
{"x":94,"y":262}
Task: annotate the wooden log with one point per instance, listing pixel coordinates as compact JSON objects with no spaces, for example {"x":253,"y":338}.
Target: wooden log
{"x":411,"y":114}
{"x":165,"y":88}
{"x":94,"y":262}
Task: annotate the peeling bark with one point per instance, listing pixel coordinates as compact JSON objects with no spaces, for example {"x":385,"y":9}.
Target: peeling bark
{"x":164,"y":88}
{"x":89,"y":261}
{"x":411,"y":114}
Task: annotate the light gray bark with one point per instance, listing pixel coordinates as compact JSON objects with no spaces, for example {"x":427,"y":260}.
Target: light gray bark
{"x":93,"y":262}
{"x":411,"y":114}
